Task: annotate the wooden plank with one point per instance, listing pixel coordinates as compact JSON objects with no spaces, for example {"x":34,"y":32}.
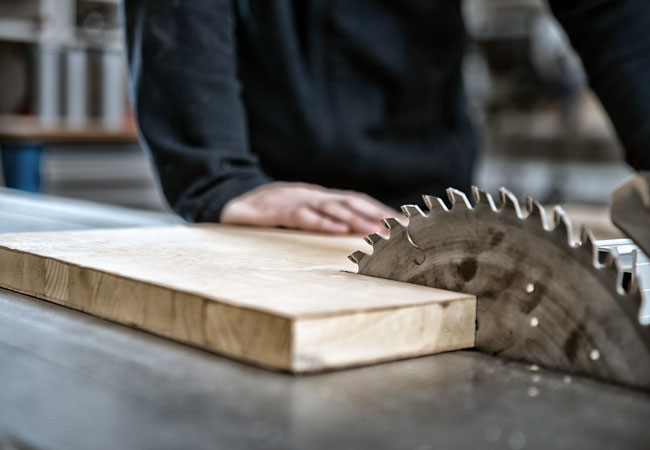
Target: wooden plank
{"x":280,"y":299}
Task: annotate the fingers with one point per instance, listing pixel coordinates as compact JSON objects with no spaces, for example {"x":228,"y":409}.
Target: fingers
{"x":372,"y":210}
{"x":364,"y":204}
{"x":358,"y":223}
{"x":306,"y":218}
{"x":307,"y":207}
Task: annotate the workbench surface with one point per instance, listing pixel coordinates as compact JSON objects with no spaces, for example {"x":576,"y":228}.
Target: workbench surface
{"x":72,"y":381}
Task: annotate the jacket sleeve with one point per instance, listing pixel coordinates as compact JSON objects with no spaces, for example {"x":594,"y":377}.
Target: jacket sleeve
{"x":613,"y":40}
{"x":186,"y":95}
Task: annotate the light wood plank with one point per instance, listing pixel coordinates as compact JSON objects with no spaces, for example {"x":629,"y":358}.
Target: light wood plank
{"x":280,"y":299}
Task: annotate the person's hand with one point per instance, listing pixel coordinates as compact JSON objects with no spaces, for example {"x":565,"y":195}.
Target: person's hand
{"x":307,"y":207}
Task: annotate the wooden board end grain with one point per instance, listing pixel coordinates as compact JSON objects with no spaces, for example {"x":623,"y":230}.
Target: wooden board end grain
{"x":280,"y":299}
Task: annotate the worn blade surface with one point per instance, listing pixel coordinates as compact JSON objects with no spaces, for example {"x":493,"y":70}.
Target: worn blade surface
{"x":541,"y":297}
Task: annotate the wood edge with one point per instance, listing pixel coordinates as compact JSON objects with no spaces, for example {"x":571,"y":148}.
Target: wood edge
{"x":466,"y":324}
{"x":148,"y":283}
{"x":203,"y":343}
{"x":327,"y":315}
{"x":460,"y":296}
{"x":288,"y":364}
{"x":198,"y":345}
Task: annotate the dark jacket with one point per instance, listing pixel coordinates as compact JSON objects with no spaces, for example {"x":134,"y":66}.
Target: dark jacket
{"x":354,"y":94}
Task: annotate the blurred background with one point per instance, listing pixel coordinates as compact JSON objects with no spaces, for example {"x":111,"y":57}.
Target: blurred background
{"x":66,"y":127}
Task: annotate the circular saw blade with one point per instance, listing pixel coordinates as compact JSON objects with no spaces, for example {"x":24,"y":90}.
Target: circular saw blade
{"x":541,"y":297}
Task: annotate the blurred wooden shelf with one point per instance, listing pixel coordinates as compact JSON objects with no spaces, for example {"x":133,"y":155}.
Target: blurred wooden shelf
{"x":22,"y":129}
{"x":17,"y":30}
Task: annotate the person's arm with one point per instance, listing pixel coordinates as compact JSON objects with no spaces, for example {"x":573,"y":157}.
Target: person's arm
{"x":186,"y":94}
{"x":613,"y":39}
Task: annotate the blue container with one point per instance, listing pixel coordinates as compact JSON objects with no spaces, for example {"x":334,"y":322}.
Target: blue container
{"x":22,"y":166}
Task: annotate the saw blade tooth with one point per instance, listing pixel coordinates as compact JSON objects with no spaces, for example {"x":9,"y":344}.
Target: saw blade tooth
{"x":357,"y":257}
{"x":535,"y":209}
{"x":434,"y":203}
{"x":394,"y":226}
{"x":373,"y":238}
{"x":588,"y":244}
{"x":587,"y":238}
{"x":563,"y":225}
{"x":458,"y":199}
{"x":509,"y":201}
{"x":391,"y":222}
{"x":412,"y":211}
{"x":483,"y":199}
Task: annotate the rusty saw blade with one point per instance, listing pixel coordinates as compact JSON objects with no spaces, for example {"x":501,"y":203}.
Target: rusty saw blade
{"x":541,"y":297}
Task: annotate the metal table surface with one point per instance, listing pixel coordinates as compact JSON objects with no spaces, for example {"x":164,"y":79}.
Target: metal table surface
{"x":72,"y":381}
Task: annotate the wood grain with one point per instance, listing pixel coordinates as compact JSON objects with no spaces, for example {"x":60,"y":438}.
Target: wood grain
{"x":280,"y":299}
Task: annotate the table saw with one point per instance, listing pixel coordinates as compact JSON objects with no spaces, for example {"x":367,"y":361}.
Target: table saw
{"x":72,"y":380}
